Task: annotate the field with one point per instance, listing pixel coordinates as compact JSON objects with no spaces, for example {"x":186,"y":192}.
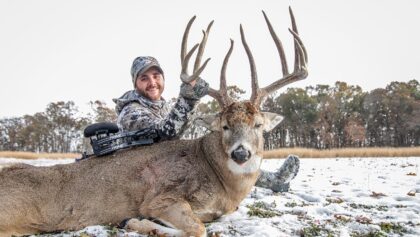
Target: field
{"x":345,"y":152}
{"x":277,"y":153}
{"x":329,"y":197}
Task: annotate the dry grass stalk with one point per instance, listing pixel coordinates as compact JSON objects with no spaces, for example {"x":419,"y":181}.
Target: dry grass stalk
{"x":278,"y":153}
{"x":33,"y":155}
{"x":344,"y":152}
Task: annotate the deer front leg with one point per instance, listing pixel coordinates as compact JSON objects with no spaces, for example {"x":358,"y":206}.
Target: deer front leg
{"x":146,"y":227}
{"x":178,"y":216}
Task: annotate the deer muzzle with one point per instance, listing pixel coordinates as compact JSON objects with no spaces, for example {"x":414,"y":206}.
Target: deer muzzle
{"x":240,"y":155}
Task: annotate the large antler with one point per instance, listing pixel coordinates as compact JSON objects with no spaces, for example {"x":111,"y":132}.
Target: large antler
{"x":220,"y":95}
{"x":300,"y":71}
{"x":185,"y":57}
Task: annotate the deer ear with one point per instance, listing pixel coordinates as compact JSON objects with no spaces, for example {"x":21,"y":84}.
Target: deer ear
{"x":271,"y":120}
{"x":211,"y":122}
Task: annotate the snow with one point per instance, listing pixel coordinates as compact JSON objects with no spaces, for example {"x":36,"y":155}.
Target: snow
{"x":340,"y":197}
{"x":38,"y":162}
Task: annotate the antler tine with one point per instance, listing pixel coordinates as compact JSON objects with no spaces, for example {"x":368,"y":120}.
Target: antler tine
{"x":292,"y":17}
{"x":185,"y":39}
{"x":223,"y":87}
{"x":300,"y":45}
{"x":202,"y":47}
{"x":186,"y":59}
{"x":198,"y":72}
{"x":294,"y":27}
{"x":221,"y":95}
{"x":279,"y":45}
{"x":254,"y":79}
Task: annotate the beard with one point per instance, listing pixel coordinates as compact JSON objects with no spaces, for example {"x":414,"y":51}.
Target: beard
{"x":152,"y":92}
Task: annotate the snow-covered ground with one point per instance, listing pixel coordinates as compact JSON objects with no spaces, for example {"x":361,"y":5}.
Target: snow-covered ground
{"x":38,"y":162}
{"x":329,"y":197}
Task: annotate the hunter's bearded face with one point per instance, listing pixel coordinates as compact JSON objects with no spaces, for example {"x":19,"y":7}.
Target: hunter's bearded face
{"x":150,"y":84}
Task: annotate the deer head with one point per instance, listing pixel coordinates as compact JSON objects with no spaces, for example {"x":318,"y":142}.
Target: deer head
{"x":242,"y":124}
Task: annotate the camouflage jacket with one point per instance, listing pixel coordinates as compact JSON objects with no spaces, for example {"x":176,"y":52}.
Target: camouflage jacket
{"x":137,"y":112}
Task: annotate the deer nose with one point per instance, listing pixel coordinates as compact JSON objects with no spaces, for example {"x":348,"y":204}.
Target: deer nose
{"x":240,"y":155}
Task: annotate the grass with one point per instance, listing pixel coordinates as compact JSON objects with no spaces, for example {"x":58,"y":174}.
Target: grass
{"x":33,"y":155}
{"x":278,"y":153}
{"x":262,"y":210}
{"x":316,"y":230}
{"x":386,"y":229}
{"x":390,"y":227}
{"x":344,"y":152}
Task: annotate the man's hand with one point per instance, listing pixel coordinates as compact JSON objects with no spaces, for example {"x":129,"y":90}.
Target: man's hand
{"x":192,"y":80}
{"x":192,"y":83}
{"x":195,"y":89}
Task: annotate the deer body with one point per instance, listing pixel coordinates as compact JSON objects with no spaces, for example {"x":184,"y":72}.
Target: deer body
{"x":130,"y":183}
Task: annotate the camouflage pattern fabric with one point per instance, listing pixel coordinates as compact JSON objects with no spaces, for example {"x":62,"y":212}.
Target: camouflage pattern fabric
{"x":137,"y":112}
{"x":279,"y":181}
{"x":199,"y":90}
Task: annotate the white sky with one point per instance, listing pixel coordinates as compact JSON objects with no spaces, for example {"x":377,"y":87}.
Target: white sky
{"x":82,"y":50}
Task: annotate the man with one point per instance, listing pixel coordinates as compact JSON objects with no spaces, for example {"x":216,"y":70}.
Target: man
{"x":144,"y":107}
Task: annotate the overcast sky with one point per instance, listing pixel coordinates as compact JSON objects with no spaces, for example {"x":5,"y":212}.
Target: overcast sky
{"x":82,"y":50}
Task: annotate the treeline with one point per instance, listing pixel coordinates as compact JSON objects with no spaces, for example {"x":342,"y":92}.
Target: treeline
{"x":58,"y":129}
{"x":318,"y":116}
{"x":346,"y":116}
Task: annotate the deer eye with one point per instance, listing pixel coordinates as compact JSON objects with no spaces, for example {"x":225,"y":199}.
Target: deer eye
{"x":258,"y":125}
{"x":225,"y":128}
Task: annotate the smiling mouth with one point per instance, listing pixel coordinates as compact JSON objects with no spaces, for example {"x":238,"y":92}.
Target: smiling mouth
{"x":154,"y":89}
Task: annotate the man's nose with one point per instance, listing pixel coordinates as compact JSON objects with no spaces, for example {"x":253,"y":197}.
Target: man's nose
{"x":153,"y":81}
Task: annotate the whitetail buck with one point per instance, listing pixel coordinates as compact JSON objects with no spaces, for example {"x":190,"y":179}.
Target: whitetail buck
{"x":182,"y":183}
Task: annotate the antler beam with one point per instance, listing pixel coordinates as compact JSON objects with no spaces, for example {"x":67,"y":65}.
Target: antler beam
{"x":300,"y":71}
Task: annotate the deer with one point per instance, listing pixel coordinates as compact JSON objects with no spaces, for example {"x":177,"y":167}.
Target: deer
{"x":180,"y":183}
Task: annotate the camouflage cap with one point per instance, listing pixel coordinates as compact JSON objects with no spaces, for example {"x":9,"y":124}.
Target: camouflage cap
{"x":141,"y":65}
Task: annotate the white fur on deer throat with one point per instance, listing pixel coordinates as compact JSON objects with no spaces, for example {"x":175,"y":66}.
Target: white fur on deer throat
{"x":250,"y":166}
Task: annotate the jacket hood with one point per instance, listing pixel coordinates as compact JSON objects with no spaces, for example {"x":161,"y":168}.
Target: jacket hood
{"x":133,"y":96}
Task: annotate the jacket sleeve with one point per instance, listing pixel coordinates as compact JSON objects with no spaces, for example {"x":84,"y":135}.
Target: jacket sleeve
{"x":135,"y":117}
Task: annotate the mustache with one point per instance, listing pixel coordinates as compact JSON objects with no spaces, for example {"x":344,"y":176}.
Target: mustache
{"x":152,"y":87}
